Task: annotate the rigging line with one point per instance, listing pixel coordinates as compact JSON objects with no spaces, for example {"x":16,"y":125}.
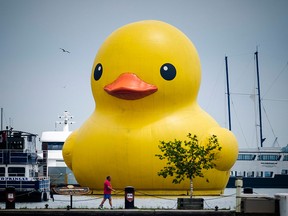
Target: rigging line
{"x":269,"y":121}
{"x":244,"y":70}
{"x":244,"y":94}
{"x":262,"y":99}
{"x":242,"y":54}
{"x":213,"y":90}
{"x":270,"y":99}
{"x":274,"y":81}
{"x":232,"y":102}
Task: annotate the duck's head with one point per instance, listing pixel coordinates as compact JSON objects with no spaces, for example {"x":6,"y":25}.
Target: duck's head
{"x":145,"y":65}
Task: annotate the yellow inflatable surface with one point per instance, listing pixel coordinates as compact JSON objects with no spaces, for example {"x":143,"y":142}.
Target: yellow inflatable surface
{"x":145,"y":80}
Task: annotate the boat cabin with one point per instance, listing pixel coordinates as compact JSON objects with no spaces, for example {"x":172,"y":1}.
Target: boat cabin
{"x":20,"y":166}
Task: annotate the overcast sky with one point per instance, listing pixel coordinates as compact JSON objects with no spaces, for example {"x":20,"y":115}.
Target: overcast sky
{"x":40,"y":82}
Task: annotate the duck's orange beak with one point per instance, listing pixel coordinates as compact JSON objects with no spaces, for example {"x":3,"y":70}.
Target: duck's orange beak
{"x":130,"y":87}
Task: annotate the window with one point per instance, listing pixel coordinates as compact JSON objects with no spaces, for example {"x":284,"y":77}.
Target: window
{"x":16,"y":142}
{"x":2,"y":171}
{"x":250,"y":174}
{"x":268,"y":174}
{"x":55,"y":145}
{"x":246,"y":157}
{"x":284,"y":172}
{"x":269,"y":157}
{"x":259,"y":174}
{"x":285,"y":158}
{"x":32,"y":173}
{"x":16,"y":171}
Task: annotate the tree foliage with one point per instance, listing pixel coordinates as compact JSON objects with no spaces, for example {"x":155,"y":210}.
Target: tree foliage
{"x":187,"y":159}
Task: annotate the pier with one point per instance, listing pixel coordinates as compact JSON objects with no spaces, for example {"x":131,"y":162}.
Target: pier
{"x":124,"y":212}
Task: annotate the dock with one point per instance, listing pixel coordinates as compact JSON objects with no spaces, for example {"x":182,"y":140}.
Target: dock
{"x":124,"y":212}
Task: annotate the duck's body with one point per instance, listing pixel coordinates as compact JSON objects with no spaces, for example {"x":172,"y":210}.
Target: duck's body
{"x":145,"y":82}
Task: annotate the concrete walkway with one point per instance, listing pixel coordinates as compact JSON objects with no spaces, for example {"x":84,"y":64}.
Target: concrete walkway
{"x":123,"y":212}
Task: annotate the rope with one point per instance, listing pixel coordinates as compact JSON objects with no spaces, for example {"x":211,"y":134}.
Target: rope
{"x":84,"y":200}
{"x":206,"y":200}
{"x":24,"y":194}
{"x":119,"y":192}
{"x":95,"y":198}
{"x":156,"y":196}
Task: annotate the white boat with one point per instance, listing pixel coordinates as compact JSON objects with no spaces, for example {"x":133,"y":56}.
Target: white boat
{"x":52,"y":143}
{"x":260,"y":167}
{"x":20,"y":168}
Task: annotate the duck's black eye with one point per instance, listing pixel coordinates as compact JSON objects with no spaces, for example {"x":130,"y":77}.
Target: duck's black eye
{"x":168,"y":71}
{"x":98,"y":71}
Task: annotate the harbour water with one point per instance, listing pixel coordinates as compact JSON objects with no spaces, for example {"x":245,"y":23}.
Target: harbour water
{"x":226,"y":201}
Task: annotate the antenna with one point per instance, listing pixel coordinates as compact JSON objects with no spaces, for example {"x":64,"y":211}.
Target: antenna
{"x":66,"y":120}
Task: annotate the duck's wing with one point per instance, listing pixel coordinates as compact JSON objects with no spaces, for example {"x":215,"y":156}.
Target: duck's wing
{"x":228,"y":154}
{"x":68,"y":147}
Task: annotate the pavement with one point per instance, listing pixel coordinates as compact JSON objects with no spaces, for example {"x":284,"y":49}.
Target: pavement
{"x":114,"y":212}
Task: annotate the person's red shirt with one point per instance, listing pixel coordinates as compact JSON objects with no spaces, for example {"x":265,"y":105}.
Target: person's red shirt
{"x":107,"y":184}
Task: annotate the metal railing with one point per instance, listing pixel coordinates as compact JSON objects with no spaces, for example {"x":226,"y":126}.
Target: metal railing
{"x":25,"y":184}
{"x":17,"y":157}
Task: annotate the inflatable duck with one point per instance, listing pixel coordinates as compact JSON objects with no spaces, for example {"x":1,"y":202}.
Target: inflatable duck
{"x":145,"y":80}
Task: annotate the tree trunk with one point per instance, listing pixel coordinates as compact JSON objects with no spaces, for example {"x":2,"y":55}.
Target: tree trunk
{"x":191,"y":188}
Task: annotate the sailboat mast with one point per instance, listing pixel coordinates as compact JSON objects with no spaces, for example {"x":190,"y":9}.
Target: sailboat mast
{"x":1,"y":118}
{"x":228,"y":92}
{"x":259,"y":100}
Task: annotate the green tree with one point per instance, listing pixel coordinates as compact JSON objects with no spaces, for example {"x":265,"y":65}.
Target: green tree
{"x":187,"y":159}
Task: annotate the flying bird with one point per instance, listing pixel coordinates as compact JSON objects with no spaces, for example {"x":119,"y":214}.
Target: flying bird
{"x":64,"y":50}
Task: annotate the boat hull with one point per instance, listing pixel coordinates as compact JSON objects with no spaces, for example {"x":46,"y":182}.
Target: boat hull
{"x":26,"y":191}
{"x":278,"y":181}
{"x":24,"y":196}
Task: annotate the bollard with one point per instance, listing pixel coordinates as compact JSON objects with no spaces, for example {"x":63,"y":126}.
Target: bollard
{"x":129,"y":197}
{"x":248,"y":190}
{"x":10,"y":198}
{"x":282,"y":199}
{"x":45,"y":196}
{"x":238,"y":184}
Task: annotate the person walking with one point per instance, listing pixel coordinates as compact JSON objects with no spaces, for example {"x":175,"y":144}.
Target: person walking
{"x":107,"y":192}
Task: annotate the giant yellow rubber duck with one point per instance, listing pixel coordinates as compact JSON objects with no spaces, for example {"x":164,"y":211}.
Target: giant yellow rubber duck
{"x":145,"y":80}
